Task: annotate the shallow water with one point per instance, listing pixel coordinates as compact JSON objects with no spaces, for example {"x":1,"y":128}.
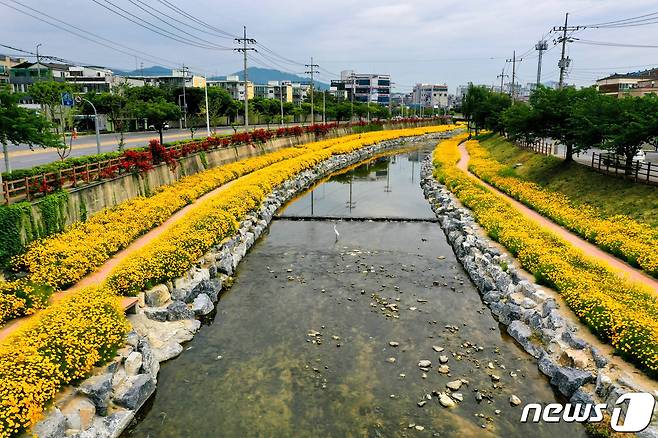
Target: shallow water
{"x":300,"y":344}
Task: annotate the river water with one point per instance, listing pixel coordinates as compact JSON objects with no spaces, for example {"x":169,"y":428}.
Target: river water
{"x":320,"y":337}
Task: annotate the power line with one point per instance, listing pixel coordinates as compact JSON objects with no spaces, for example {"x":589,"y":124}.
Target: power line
{"x":196,"y":20}
{"x":66,"y":27}
{"x":200,"y":29}
{"x":137,"y":4}
{"x":151,"y":27}
{"x":613,"y":44}
{"x":625,"y":21}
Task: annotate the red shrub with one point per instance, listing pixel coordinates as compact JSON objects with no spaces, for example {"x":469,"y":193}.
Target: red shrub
{"x":135,"y":161}
{"x":109,"y":172}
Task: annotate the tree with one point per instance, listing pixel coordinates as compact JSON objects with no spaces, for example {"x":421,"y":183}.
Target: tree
{"x":115,"y":106}
{"x":518,"y":122}
{"x":219,"y":104}
{"x":157,"y":112}
{"x":343,"y":111}
{"x":49,"y":95}
{"x":473,"y":107}
{"x":635,"y":117}
{"x":20,"y":125}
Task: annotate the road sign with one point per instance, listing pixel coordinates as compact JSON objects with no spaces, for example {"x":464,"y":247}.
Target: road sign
{"x":67,"y":99}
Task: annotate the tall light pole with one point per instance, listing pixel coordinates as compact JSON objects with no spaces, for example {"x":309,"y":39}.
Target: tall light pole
{"x":324,"y":106}
{"x":98,"y":137}
{"x":205,"y":89}
{"x":541,"y":46}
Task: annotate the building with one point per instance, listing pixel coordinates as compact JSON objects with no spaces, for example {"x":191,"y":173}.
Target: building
{"x":6,"y":63}
{"x":234,"y":86}
{"x":374,"y":88}
{"x":86,"y":78}
{"x":430,"y":95}
{"x":629,"y":84}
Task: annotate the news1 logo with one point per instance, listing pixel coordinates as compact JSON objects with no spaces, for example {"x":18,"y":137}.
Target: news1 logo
{"x":639,"y":411}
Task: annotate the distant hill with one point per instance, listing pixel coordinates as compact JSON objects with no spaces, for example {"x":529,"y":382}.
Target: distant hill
{"x":259,"y":75}
{"x":155,"y":70}
{"x":256,"y":75}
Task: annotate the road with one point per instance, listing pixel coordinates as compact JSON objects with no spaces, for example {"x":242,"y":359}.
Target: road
{"x":21,"y":157}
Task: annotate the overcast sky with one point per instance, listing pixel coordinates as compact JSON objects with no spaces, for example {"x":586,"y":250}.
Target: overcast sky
{"x":440,"y":41}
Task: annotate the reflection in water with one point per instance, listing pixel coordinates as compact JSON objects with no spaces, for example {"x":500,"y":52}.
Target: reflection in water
{"x":319,"y":338}
{"x":357,"y":192}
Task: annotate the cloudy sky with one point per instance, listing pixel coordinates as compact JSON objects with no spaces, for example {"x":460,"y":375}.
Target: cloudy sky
{"x":441,"y":41}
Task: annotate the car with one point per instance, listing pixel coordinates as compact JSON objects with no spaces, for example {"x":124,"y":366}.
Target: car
{"x":164,"y":127}
{"x":640,"y":156}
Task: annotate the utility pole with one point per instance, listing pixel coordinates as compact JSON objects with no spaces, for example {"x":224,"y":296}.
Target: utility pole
{"x":541,"y":46}
{"x":324,"y":106}
{"x":184,"y":98}
{"x":281,"y":99}
{"x":352,"y":96}
{"x":514,"y":61}
{"x":564,"y":62}
{"x":502,"y":77}
{"x":244,"y":49}
{"x":38,"y":67}
{"x":312,"y":70}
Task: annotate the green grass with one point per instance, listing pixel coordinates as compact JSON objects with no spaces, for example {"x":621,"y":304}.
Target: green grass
{"x":610,"y":195}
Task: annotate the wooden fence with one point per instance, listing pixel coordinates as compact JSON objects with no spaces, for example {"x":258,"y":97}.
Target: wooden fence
{"x":639,"y":171}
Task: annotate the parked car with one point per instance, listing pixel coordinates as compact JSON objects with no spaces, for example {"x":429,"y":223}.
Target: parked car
{"x":640,"y":156}
{"x":164,"y":127}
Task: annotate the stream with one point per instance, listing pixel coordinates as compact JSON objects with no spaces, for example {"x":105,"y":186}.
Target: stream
{"x":321,"y":336}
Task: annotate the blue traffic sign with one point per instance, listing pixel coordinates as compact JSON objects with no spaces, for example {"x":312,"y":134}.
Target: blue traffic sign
{"x":67,"y":99}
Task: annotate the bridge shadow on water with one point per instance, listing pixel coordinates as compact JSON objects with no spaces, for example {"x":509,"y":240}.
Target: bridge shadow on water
{"x":320,"y":336}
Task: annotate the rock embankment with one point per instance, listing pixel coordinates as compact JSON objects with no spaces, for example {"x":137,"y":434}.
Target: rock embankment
{"x":575,"y":367}
{"x":168,"y":315}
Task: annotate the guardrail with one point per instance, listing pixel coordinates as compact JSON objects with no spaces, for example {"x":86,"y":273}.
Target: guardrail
{"x":639,"y":171}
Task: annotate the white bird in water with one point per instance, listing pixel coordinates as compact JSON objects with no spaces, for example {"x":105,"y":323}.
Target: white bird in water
{"x":337,"y":233}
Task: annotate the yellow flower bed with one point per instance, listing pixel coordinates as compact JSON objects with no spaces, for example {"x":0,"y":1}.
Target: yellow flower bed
{"x":619,"y":235}
{"x":174,"y":252}
{"x":619,"y":312}
{"x":63,"y":345}
{"x":63,"y":259}
{"x":65,"y":341}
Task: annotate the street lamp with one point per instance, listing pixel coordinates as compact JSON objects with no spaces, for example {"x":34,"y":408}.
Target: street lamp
{"x":79,"y":99}
{"x":205,"y":89}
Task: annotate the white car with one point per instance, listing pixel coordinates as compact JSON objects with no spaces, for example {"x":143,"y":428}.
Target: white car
{"x":640,"y":156}
{"x":164,"y":127}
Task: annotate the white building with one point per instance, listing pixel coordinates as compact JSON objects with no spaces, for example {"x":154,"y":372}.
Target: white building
{"x":430,"y":95}
{"x":365,"y":87}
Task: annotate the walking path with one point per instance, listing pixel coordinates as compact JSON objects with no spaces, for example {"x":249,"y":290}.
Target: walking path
{"x":97,"y":277}
{"x":617,"y":265}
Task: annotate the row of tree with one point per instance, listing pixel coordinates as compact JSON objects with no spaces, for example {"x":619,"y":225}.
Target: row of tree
{"x":579,"y":119}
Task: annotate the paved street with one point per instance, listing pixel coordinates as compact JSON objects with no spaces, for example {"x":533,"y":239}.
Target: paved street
{"x":21,"y":157}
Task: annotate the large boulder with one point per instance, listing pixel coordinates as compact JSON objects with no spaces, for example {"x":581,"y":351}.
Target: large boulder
{"x":53,"y":426}
{"x":98,"y":389}
{"x":134,"y":392}
{"x":202,"y":305}
{"x":568,"y":379}
{"x":157,"y":296}
{"x":79,"y":413}
{"x":178,"y":310}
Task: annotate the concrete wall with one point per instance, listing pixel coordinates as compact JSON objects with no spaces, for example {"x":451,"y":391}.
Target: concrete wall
{"x":92,"y":198}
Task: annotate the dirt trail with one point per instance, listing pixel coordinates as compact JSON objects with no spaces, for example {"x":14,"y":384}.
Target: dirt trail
{"x":614,"y":263}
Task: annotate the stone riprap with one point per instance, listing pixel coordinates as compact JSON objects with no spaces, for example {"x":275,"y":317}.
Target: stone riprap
{"x":534,"y":319}
{"x":106,"y":403}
